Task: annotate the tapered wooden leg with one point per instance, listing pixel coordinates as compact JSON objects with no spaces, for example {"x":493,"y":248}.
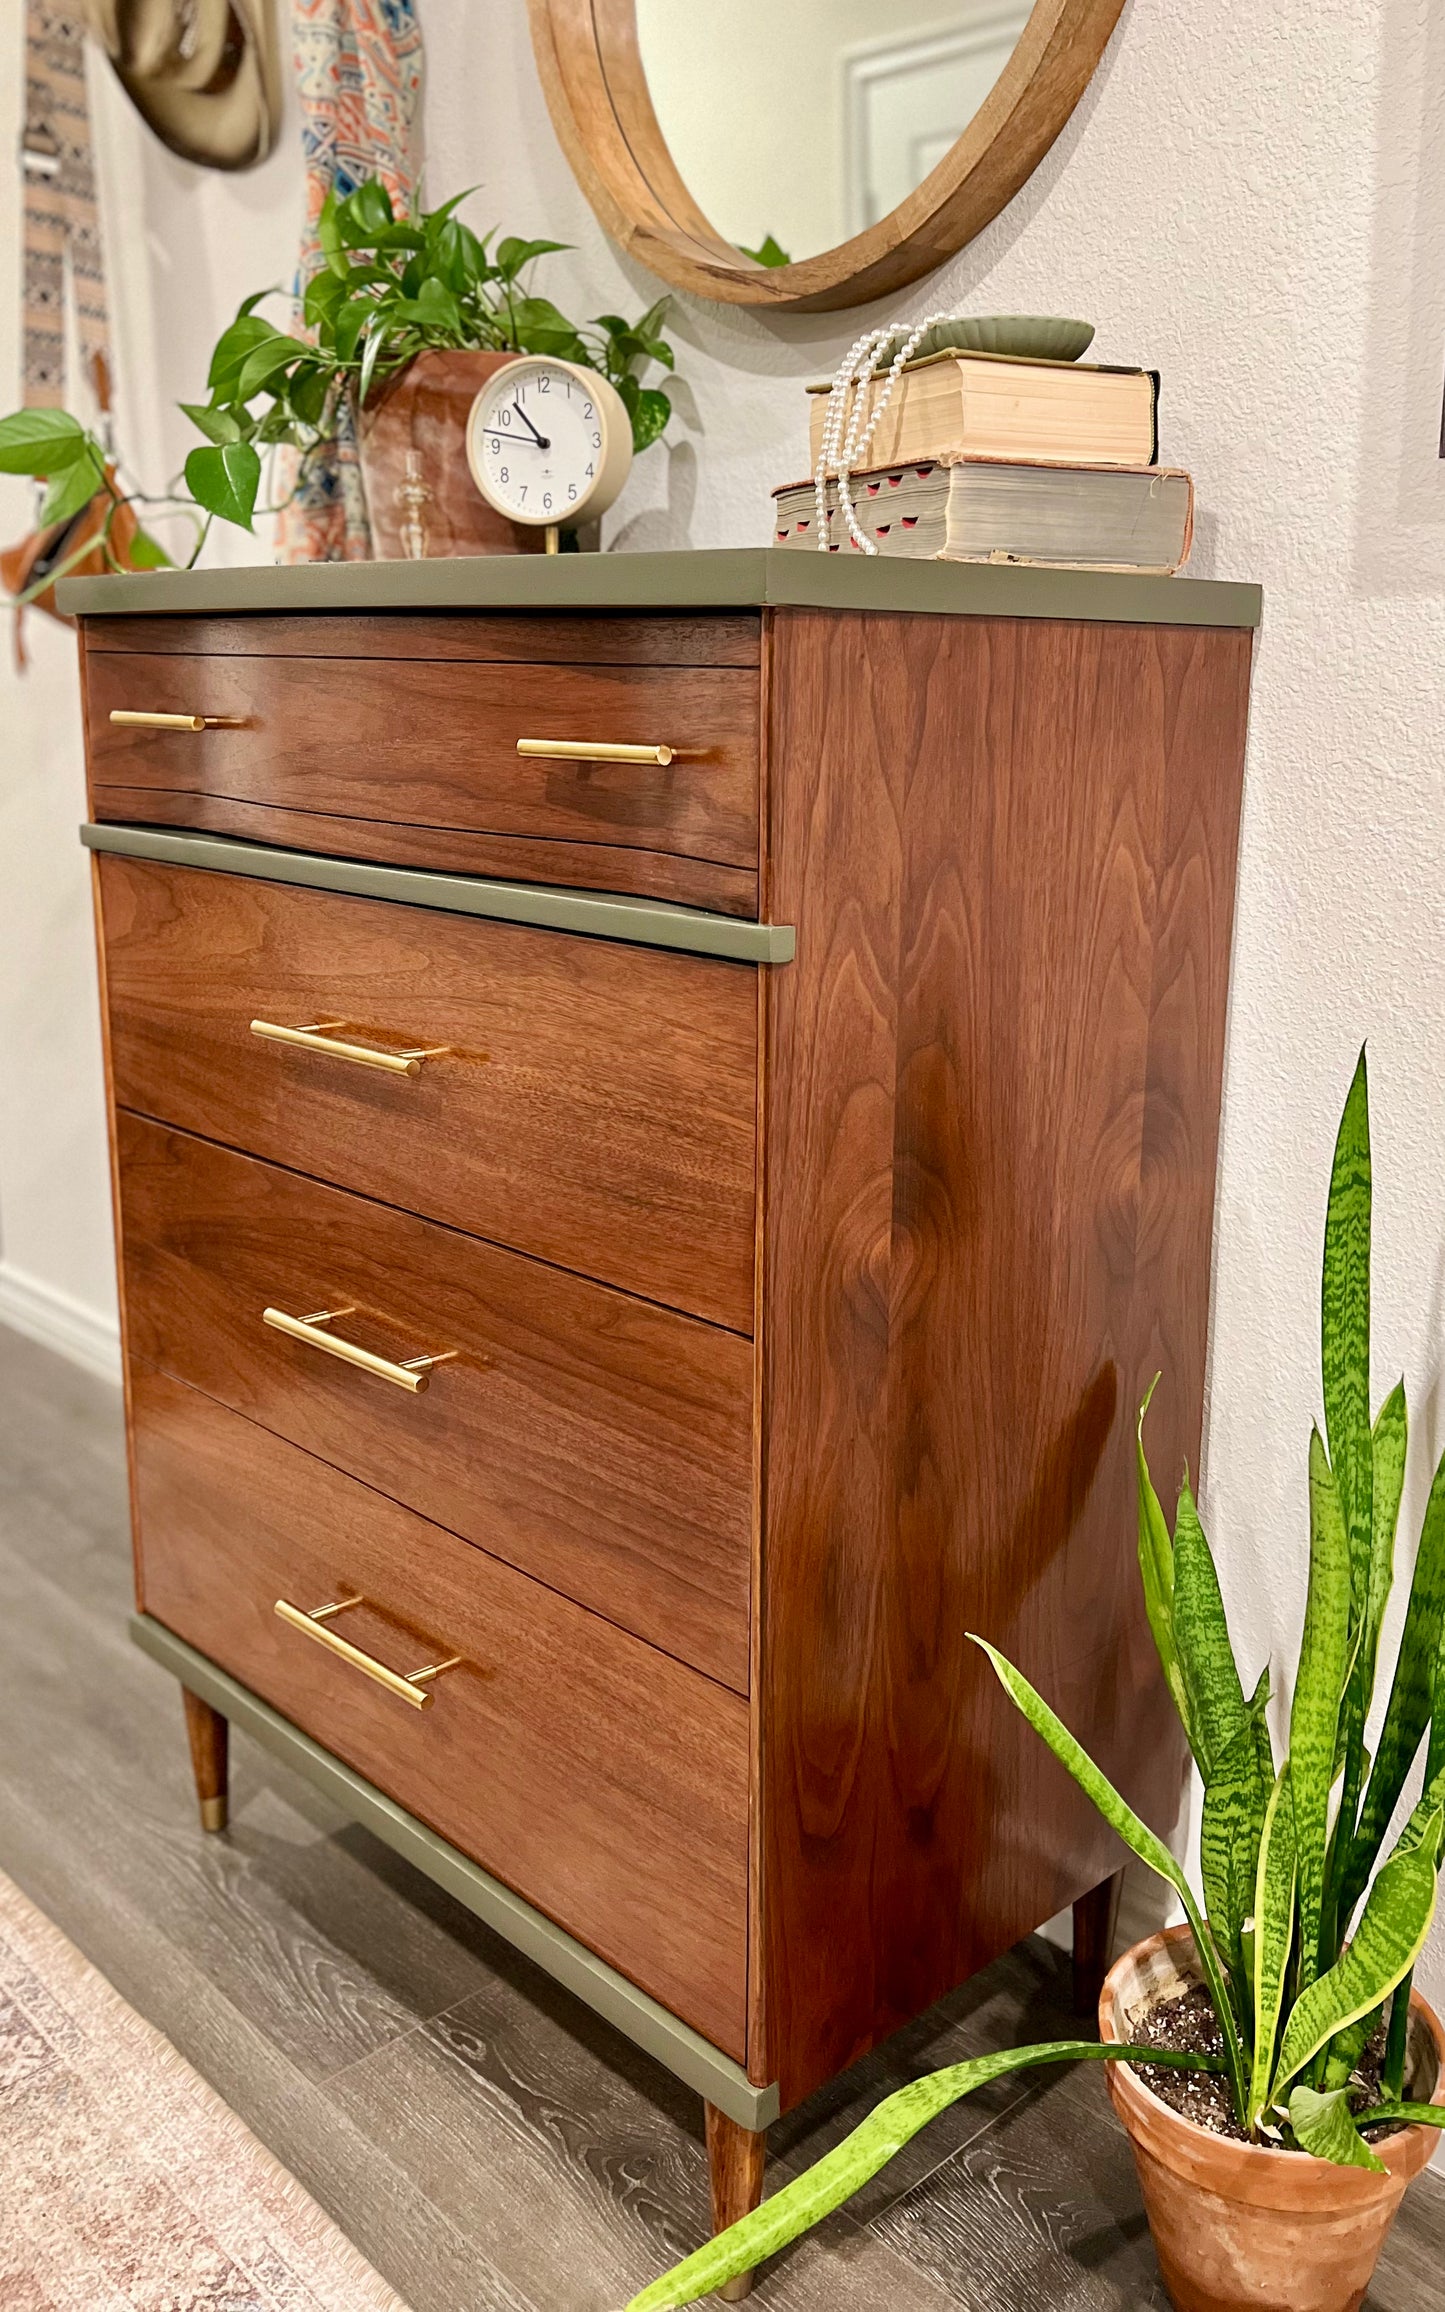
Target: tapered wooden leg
{"x":1096,"y":1916}
{"x":209,"y":1733}
{"x":735,"y":2157}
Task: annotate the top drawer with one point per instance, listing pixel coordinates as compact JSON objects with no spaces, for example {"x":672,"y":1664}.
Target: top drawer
{"x":362,"y":738}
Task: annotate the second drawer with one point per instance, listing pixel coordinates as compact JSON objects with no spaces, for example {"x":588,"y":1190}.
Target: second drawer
{"x":590,"y":1103}
{"x":600,"y":1443}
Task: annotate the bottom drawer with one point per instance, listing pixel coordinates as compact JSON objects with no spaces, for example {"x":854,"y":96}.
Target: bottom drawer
{"x":603,"y":1781}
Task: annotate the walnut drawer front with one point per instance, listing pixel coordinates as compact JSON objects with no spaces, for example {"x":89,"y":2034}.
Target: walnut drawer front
{"x":604,"y":1782}
{"x":417,"y":759}
{"x":585,"y":1101}
{"x":597,"y":1442}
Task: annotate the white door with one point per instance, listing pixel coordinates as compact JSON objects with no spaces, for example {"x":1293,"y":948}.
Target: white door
{"x":906,"y":100}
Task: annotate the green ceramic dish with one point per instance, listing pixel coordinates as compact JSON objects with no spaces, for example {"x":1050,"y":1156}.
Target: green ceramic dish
{"x":1026,"y":336}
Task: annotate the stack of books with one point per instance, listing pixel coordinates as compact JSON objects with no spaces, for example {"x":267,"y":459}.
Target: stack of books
{"x":980,"y":457}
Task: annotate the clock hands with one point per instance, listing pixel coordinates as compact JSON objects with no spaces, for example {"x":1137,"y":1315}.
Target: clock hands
{"x":540,"y":439}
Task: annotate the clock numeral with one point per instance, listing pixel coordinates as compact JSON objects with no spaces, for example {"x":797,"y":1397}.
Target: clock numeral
{"x":589,"y":473}
{"x":571,"y":491}
{"x":503,"y":475}
{"x":586,"y":409}
{"x":544,"y":385}
{"x":547,"y":502}
{"x":505,"y":418}
{"x":597,"y":441}
{"x":522,"y":493}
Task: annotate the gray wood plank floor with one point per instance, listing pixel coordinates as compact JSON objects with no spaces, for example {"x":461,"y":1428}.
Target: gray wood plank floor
{"x":487,"y":2142}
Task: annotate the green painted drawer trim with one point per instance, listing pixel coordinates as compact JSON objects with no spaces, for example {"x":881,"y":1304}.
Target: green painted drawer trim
{"x":729,"y":578}
{"x":640,"y":922}
{"x":673,"y":2044}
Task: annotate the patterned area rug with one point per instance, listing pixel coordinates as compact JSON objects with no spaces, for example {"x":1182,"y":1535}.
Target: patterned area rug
{"x":126,"y":2185}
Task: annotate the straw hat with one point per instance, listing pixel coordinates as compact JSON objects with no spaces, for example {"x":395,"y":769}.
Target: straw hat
{"x":204,"y":74}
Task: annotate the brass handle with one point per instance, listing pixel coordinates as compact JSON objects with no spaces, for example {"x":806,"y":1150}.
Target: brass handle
{"x":603,"y":751}
{"x":313,"y":1625}
{"x":136,"y":721}
{"x":318,"y":1038}
{"x":413,"y":1373}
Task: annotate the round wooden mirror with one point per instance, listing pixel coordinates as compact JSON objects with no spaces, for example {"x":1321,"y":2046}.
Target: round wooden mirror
{"x":807,"y":154}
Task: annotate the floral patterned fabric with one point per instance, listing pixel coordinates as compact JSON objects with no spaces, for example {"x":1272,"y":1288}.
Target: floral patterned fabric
{"x":359,"y":74}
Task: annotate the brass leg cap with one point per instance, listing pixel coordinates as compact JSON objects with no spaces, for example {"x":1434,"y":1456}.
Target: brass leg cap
{"x":213,"y":1814}
{"x":736,"y":2289}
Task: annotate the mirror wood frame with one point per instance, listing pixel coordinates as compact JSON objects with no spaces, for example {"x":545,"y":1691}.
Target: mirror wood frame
{"x":596,"y":88}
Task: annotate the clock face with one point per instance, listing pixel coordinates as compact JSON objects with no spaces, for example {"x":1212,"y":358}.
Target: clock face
{"x":548,"y":442}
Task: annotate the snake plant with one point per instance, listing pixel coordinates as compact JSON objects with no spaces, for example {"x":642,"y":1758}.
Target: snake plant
{"x":1305,"y":1937}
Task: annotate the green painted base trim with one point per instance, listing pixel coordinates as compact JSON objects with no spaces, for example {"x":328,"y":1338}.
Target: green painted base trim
{"x":675,"y":2045}
{"x":736,"y":578}
{"x":597,"y":915}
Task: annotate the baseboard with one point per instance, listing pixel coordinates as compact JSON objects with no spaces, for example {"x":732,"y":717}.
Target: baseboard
{"x":57,"y":1320}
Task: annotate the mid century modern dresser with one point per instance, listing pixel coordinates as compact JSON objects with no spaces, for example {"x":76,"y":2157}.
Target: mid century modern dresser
{"x":664,"y":1116}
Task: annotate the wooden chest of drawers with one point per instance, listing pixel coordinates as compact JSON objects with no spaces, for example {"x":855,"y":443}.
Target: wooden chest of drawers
{"x":665,"y":1115}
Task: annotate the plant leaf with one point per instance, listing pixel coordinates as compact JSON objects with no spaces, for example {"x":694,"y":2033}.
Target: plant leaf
{"x":1234,"y":1809}
{"x":1324,"y":2126}
{"x":650,"y":414}
{"x":224,"y":478}
{"x":1137,"y":1836}
{"x":232,"y":349}
{"x":40,"y":441}
{"x":1206,"y":1657}
{"x":1319,"y":1686}
{"x":1273,"y":1935}
{"x":1413,"y":2114}
{"x":1347,"y":2046}
{"x":512,"y":254}
{"x":1387,"y":1463}
{"x":218,"y":425}
{"x":1156,"y":1567}
{"x":1345,"y":1329}
{"x":263,"y":364}
{"x":1388,"y":1448}
{"x":810,"y":2197}
{"x":369,"y":210}
{"x":147,"y":553}
{"x":1393,"y":1926}
{"x":1411,"y":1698}
{"x":73,"y":489}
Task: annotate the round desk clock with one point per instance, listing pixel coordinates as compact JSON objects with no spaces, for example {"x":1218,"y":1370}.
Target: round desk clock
{"x":549,"y":444}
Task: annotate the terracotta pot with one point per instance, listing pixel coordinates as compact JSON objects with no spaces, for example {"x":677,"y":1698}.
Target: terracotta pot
{"x":423,"y":408}
{"x":1239,"y":2227}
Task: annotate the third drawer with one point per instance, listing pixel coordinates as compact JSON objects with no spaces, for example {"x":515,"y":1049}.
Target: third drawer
{"x":599,"y":1443}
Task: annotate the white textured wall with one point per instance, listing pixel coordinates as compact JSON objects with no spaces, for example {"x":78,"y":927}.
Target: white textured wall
{"x":183,"y":246}
{"x":1253,"y":200}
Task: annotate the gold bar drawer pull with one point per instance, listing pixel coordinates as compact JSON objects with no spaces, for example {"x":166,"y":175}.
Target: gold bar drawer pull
{"x":319,"y":1037}
{"x":603,"y":751}
{"x":134,"y":719}
{"x":410,"y":1688}
{"x":413,"y":1374}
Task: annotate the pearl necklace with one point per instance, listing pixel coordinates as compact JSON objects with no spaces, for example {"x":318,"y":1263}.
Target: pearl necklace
{"x":845,"y":436}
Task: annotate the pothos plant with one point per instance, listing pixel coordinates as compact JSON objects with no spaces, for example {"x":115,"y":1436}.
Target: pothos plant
{"x":388,"y":288}
{"x":1306,"y":1940}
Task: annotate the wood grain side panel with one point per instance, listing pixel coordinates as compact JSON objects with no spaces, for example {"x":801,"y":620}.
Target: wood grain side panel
{"x":592,"y":1104}
{"x":450,"y":850}
{"x":435,"y":744}
{"x":973,"y":825}
{"x":603,"y":1781}
{"x":600,"y":1444}
{"x":598,"y":638}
